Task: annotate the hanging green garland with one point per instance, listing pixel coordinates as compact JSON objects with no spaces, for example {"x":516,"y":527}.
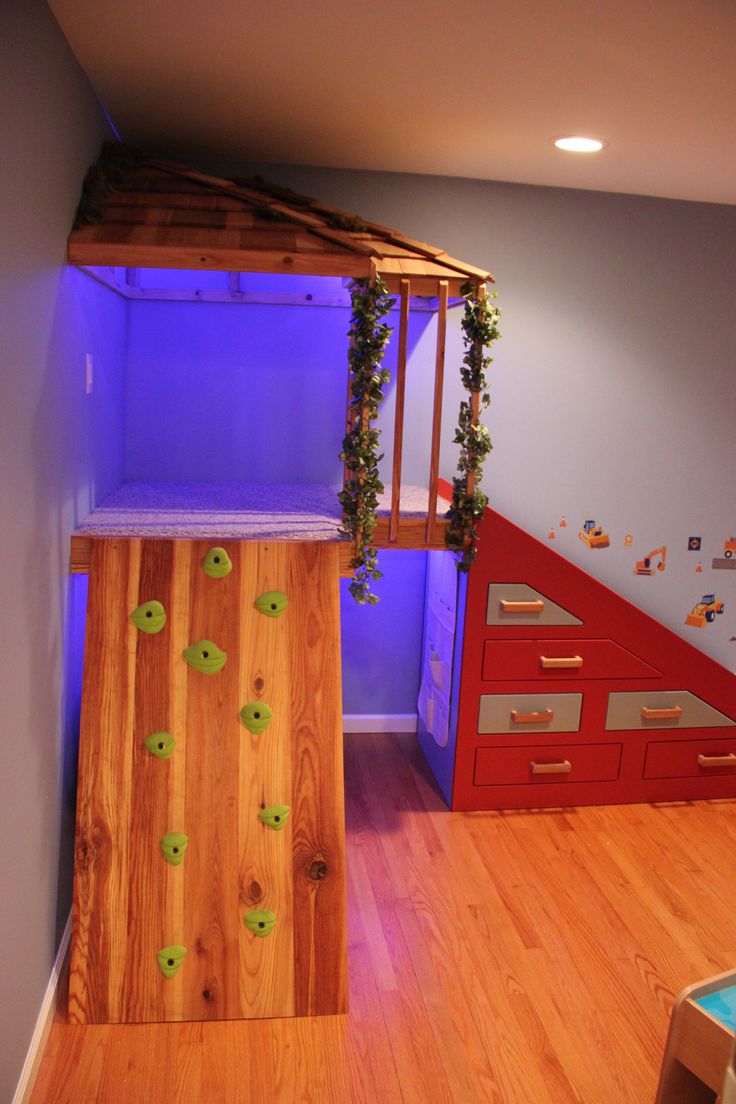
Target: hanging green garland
{"x":480,"y":329}
{"x":359,"y":498}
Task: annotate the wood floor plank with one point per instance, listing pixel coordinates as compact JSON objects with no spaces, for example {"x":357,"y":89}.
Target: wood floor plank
{"x":495,"y":958}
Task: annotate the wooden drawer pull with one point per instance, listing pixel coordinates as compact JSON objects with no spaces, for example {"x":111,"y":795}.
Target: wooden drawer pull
{"x":543,"y":717}
{"x":560,"y":661}
{"x":551,"y":768}
{"x":717,"y":760}
{"x":671,"y":713}
{"x":522,"y":607}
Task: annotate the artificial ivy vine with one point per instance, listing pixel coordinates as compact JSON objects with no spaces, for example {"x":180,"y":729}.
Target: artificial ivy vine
{"x":359,"y":498}
{"x":480,"y":330}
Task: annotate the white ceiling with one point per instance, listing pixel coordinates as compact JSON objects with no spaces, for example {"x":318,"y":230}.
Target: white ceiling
{"x":476,"y":89}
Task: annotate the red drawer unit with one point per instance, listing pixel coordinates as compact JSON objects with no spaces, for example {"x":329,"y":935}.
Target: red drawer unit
{"x":565,"y":693}
{"x":554,"y":660}
{"x":547,"y":765}
{"x":690,"y":758}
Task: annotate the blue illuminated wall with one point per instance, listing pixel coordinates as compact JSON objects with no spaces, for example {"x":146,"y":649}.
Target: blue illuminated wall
{"x":257,"y":393}
{"x":223,"y":392}
{"x":381,"y":645}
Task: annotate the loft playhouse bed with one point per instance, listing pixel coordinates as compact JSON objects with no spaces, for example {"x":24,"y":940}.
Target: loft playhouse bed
{"x":209,"y":862}
{"x":209,"y":865}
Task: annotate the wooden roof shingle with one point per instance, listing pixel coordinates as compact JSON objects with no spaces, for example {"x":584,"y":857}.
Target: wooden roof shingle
{"x":138,"y":211}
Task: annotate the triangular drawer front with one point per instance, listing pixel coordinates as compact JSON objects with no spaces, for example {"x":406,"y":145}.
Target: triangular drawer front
{"x":648,"y":709}
{"x":519,"y":604}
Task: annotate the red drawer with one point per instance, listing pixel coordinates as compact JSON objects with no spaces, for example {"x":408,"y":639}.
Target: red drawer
{"x":690,"y":758}
{"x":526,"y":660}
{"x":513,"y":766}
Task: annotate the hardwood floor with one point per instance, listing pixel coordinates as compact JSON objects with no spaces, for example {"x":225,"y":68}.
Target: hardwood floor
{"x":509,"y":958}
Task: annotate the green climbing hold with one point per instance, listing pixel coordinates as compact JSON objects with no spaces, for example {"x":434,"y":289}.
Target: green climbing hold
{"x":170,"y":959}
{"x":174,"y":845}
{"x":256,"y":716}
{"x":217,"y":564}
{"x":275,"y":816}
{"x":206,"y":657}
{"x":261,"y":922}
{"x":160,"y":744}
{"x":150,"y":617}
{"x":272,"y":603}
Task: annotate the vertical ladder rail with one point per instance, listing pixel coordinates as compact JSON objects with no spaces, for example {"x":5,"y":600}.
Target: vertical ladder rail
{"x":393,"y":531}
{"x":439,"y":378}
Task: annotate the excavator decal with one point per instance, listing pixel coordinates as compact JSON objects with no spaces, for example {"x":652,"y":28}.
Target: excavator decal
{"x":646,"y":567}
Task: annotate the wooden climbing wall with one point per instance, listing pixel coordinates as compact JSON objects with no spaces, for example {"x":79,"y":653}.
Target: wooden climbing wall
{"x":130,"y":903}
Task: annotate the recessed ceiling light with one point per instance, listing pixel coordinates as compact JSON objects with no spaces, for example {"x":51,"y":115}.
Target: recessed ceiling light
{"x":578,"y":144}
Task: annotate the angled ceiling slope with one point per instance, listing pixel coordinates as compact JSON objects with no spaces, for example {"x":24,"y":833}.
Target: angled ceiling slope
{"x":137,"y":211}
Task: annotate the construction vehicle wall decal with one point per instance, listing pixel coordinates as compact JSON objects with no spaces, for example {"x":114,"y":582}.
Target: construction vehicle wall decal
{"x":646,"y":567}
{"x":726,"y":562}
{"x":704,"y":611}
{"x":593,"y":535}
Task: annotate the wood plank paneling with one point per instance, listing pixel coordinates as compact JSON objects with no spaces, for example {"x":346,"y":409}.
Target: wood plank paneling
{"x":168,"y":253}
{"x":100,"y":906}
{"x":203,"y":201}
{"x":129,"y":902}
{"x":211,"y":913}
{"x":320,"y":942}
{"x":177,"y":764}
{"x":266,"y":965}
{"x":143,"y":983}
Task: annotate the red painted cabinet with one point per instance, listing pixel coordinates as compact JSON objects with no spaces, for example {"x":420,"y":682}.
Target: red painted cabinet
{"x":556,"y":691}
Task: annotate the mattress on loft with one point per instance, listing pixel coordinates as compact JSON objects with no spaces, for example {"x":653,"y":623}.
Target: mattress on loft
{"x":240,"y":511}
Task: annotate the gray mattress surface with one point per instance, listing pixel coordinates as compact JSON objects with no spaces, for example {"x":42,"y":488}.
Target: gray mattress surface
{"x":244,"y":511}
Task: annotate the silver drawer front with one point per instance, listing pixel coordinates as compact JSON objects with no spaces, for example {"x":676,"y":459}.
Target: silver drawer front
{"x":689,"y":711}
{"x":496,"y":713}
{"x":549,"y":614}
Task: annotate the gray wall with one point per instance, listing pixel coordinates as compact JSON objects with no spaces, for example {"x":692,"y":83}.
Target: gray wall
{"x":58,"y":451}
{"x":614,"y":393}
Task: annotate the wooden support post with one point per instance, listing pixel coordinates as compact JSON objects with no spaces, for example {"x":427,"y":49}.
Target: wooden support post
{"x":475,"y":407}
{"x":439,"y":379}
{"x":405,"y":290}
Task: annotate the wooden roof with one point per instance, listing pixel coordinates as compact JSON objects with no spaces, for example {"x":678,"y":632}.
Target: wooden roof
{"x":149,"y":213}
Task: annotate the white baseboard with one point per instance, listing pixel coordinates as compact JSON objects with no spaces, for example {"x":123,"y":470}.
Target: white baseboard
{"x":43,"y":1023}
{"x":379,"y":722}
